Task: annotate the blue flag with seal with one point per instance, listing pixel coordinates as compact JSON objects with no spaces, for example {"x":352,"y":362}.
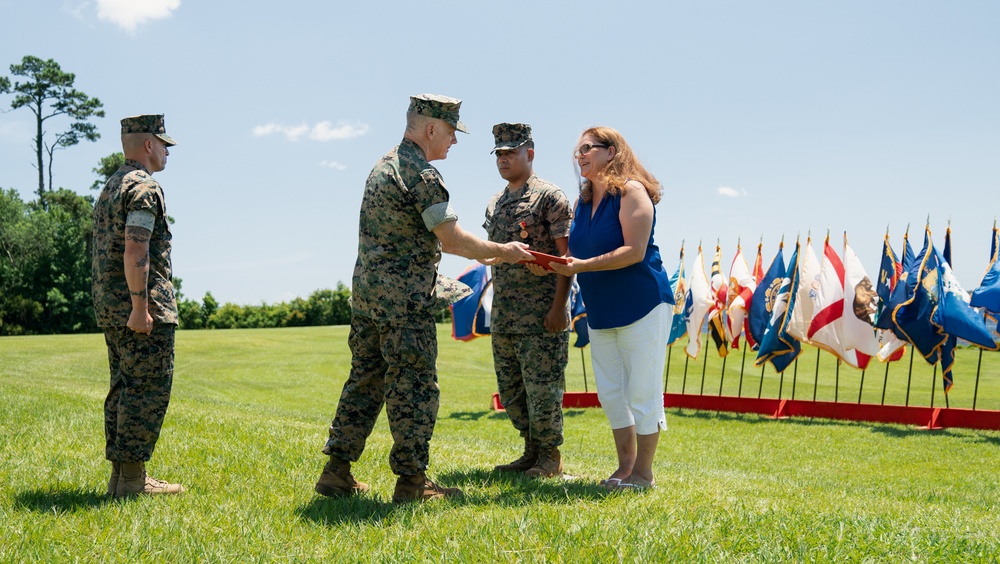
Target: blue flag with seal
{"x":916,"y":318}
{"x":777,"y":346}
{"x":764,"y":297}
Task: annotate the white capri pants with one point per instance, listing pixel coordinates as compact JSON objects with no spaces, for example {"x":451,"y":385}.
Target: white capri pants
{"x":628,"y":369}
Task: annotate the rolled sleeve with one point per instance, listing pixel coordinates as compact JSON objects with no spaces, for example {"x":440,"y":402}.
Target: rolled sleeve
{"x":438,"y":214}
{"x":141,"y":218}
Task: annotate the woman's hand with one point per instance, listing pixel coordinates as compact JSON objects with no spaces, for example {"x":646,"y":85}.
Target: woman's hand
{"x":572,"y":266}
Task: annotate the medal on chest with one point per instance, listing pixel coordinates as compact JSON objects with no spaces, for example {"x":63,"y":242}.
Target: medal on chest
{"x":524,"y":230}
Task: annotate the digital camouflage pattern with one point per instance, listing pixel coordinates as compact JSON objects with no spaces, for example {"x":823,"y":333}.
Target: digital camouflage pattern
{"x":509,"y":136}
{"x":448,"y":291}
{"x":541,"y":211}
{"x":392,"y":366}
{"x":142,"y":374}
{"x":439,"y":107}
{"x":395,"y":276}
{"x":396,"y":291}
{"x":149,"y":123}
{"x":531,"y":379}
{"x":530,"y":362}
{"x":130,"y":188}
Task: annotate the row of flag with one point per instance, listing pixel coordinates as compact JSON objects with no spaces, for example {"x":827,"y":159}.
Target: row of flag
{"x":831,"y":303}
{"x":827,"y":302}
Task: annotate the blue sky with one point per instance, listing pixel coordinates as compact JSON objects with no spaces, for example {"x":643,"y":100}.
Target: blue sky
{"x":761,"y":119}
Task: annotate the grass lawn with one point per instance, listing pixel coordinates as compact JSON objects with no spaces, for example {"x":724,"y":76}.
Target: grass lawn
{"x":250,"y":411}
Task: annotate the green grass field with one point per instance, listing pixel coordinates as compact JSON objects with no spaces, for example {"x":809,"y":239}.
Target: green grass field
{"x":250,"y":410}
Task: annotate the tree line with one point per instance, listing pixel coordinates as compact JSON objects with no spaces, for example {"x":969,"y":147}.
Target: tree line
{"x":45,"y":276}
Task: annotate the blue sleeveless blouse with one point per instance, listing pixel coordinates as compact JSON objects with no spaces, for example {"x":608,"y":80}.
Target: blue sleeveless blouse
{"x":615,"y":298}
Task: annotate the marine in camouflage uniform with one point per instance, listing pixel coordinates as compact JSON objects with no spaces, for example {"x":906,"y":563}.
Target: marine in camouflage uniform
{"x":529,"y":351}
{"x":396,"y":290}
{"x":138,"y":323}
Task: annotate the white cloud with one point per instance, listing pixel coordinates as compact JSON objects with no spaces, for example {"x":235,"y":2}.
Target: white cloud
{"x":292,"y":132}
{"x":128,"y":14}
{"x":322,"y":131}
{"x":731,"y":192}
{"x":333,"y":164}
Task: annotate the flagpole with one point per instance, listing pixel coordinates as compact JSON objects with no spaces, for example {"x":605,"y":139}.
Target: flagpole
{"x":684,"y":381}
{"x":975,"y":393}
{"x":722,"y":378}
{"x":909,"y":378}
{"x":979,"y":364}
{"x":795,"y":375}
{"x":704,"y":365}
{"x":933,"y":385}
{"x":743,"y":360}
{"x":885,"y":381}
{"x":816,"y":382}
{"x":836,"y":384}
{"x":666,"y":371}
{"x":862,"y":385}
{"x":760,"y":389}
{"x":781,"y":383}
{"x":583,"y":363}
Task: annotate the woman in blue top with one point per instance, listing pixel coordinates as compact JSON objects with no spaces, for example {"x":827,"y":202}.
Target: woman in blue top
{"x":627,"y":294}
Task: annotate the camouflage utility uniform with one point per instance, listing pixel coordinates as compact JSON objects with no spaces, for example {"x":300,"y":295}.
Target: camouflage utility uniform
{"x":142,"y":366}
{"x":393,"y":338}
{"x":530,"y":362}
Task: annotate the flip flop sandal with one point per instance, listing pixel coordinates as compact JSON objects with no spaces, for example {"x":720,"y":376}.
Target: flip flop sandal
{"x":629,"y":486}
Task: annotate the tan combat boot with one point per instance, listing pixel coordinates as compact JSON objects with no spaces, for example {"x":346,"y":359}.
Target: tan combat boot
{"x":418,"y":488}
{"x":133,"y":480}
{"x":549,"y":464}
{"x":337,"y":480}
{"x":116,"y":468}
{"x":526,"y":461}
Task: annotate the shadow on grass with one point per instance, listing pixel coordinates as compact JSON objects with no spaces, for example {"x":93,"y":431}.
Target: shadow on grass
{"x":65,"y":501}
{"x":364,"y":508}
{"x":516,"y":491}
{"x":477,"y":415}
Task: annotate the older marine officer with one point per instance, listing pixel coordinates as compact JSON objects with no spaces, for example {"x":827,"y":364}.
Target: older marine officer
{"x":406,"y":222}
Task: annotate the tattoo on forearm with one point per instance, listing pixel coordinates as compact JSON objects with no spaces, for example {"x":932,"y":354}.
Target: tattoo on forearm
{"x":131,"y":293}
{"x":142,"y":262}
{"x":137,"y":234}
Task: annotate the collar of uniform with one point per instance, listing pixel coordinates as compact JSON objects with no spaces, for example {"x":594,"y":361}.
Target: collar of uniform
{"x":410,"y":146}
{"x":136,"y":165}
{"x":520,"y":193}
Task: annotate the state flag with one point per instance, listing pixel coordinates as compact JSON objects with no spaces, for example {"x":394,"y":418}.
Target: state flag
{"x":699,"y":300}
{"x":741,"y":287}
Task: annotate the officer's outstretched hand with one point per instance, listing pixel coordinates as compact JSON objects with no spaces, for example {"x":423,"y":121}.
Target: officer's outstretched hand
{"x":515,"y":252}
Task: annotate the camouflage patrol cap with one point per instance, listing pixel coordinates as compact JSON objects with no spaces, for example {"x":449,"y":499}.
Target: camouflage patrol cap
{"x":510,"y":136}
{"x":148,"y":123}
{"x":437,"y":106}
